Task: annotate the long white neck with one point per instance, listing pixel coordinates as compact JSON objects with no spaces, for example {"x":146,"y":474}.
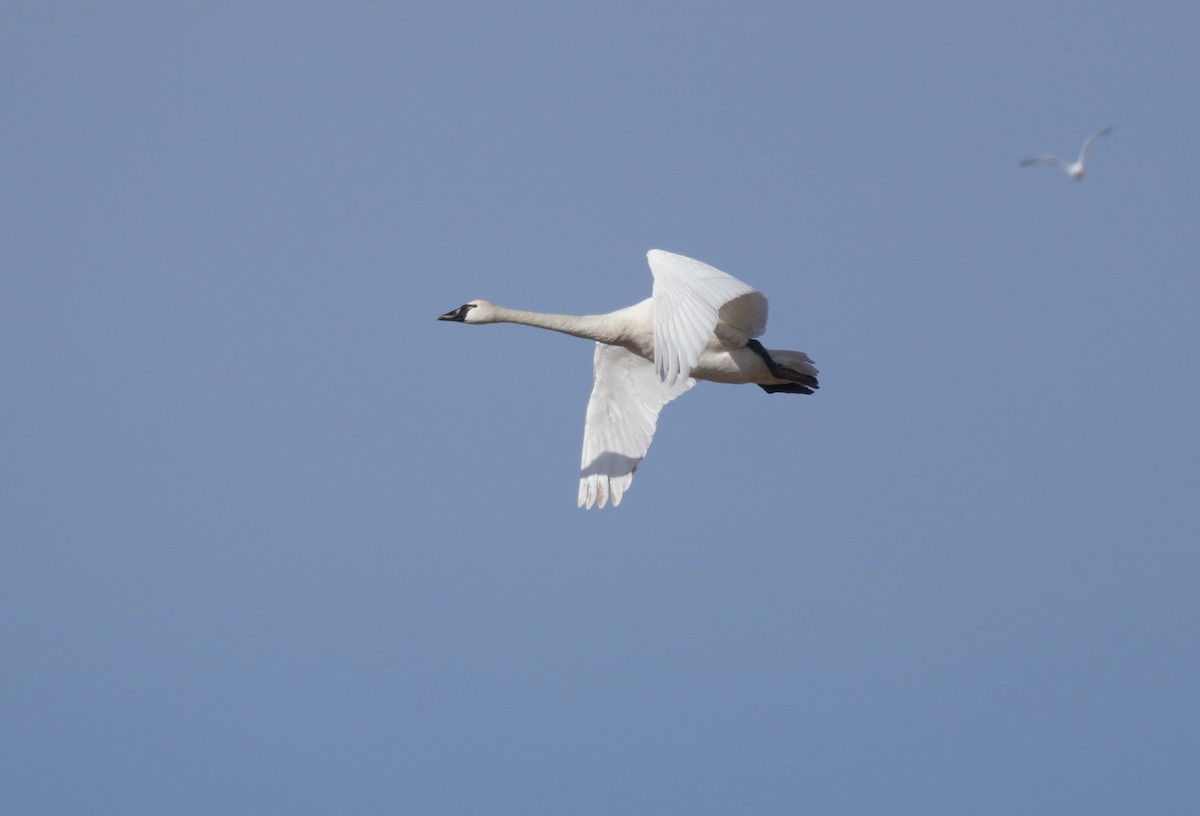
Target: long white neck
{"x":601,"y":328}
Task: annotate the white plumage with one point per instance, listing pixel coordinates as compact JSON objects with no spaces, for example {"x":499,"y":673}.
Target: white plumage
{"x":698,"y":324}
{"x":1076,"y":169}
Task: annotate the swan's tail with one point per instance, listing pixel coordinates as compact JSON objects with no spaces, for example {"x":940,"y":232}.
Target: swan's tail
{"x":794,"y":366}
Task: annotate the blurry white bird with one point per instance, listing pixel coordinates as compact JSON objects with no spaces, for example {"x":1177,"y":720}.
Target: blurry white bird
{"x":698,"y":324}
{"x":1076,"y":170}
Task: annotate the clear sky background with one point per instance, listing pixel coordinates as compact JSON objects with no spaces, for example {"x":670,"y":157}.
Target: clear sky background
{"x":275,"y":541}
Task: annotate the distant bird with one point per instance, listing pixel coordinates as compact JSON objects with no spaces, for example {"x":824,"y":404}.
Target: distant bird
{"x":698,"y":324}
{"x":1076,"y":170}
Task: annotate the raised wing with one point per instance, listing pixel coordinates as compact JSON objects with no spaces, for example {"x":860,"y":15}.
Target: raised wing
{"x":690,"y":298}
{"x":621,"y":417}
{"x":1090,"y":140}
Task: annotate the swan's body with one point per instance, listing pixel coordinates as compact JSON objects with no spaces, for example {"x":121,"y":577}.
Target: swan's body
{"x":1075,"y":170}
{"x":699,"y":324}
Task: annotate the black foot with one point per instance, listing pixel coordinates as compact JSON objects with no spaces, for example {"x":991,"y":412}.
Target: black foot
{"x":789,"y":388}
{"x":800,"y":383}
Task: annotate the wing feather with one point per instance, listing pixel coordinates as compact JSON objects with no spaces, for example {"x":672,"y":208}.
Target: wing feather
{"x":1043,"y":160}
{"x":1092,"y":140}
{"x":690,"y":299}
{"x":622,"y":414}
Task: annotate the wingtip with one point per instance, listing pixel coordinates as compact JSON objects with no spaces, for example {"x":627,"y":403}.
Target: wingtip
{"x":597,"y":490}
{"x":593,"y":491}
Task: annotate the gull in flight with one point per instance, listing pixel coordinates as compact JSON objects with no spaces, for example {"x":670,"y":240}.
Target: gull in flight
{"x":1076,"y":170}
{"x":698,"y":324}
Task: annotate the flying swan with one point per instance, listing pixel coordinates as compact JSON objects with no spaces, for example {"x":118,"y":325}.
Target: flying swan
{"x":698,"y":324}
{"x":1076,"y":170}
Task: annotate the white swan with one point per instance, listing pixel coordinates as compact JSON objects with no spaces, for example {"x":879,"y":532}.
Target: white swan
{"x":1076,"y":170}
{"x":699,"y":324}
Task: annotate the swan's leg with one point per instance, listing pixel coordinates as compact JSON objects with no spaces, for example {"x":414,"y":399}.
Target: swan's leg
{"x":758,"y":349}
{"x":798,"y":383}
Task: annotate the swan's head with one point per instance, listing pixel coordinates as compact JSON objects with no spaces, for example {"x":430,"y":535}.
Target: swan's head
{"x":476,"y":311}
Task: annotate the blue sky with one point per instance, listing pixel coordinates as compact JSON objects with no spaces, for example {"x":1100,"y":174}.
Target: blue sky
{"x":278,"y":542}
